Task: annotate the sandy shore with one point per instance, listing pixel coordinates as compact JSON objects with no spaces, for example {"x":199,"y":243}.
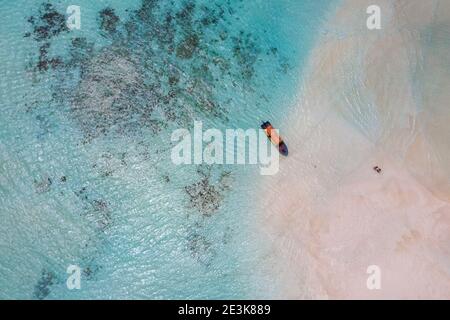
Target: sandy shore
{"x":370,"y":98}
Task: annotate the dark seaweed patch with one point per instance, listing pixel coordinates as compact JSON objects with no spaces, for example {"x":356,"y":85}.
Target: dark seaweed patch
{"x":90,"y":271}
{"x":48,"y":23}
{"x":186,"y":14}
{"x":201,"y":248}
{"x":101,"y":215}
{"x":204,"y":197}
{"x":82,"y":193}
{"x":246,"y":53}
{"x":211,"y":16}
{"x":109,"y":21}
{"x":42,"y":287}
{"x":188,"y":46}
{"x":95,"y":210}
{"x":44,"y":62}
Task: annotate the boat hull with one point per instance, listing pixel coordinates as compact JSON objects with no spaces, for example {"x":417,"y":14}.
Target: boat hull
{"x":275,"y":138}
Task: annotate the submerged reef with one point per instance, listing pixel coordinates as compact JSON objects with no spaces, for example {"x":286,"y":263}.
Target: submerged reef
{"x":95,"y":210}
{"x":201,"y":248}
{"x":47,"y":24}
{"x":165,"y":64}
{"x":43,"y":287}
{"x":160,"y":67}
{"x":206,"y":195}
{"x":108,"y":20}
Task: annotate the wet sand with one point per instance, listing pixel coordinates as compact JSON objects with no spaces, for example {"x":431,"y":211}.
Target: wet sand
{"x":369,"y":98}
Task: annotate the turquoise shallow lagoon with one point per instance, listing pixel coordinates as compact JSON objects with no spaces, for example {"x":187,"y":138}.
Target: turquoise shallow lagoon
{"x":86,"y":117}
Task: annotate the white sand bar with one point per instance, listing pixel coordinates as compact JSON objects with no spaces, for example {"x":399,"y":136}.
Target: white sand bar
{"x":370,"y":98}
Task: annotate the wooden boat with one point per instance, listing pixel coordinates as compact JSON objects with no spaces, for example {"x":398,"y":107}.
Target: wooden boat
{"x":275,"y":138}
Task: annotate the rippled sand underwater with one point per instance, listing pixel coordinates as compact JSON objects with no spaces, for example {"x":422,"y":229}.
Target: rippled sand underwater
{"x":86,"y":177}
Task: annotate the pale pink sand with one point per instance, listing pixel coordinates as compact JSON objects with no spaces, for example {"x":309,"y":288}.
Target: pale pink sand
{"x":328,"y":214}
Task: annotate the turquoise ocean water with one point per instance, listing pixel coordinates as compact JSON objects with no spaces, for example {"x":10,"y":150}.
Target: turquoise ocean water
{"x":86,"y":117}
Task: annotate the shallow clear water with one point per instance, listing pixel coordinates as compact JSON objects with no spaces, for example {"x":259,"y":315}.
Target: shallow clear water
{"x":86,"y":117}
